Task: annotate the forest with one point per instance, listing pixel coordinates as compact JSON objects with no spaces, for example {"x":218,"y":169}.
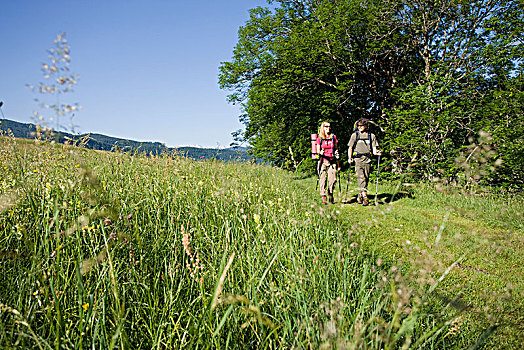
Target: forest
{"x":109,"y":143}
{"x":441,"y":80}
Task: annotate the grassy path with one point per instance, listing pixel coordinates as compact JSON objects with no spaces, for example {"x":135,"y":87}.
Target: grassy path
{"x":105,"y":250}
{"x":482,"y":237}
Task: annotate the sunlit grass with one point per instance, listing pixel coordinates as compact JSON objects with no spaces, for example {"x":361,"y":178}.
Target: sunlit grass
{"x":480,"y":232}
{"x":108,"y":249}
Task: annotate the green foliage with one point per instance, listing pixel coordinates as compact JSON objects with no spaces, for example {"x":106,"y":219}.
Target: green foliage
{"x":155,"y":252}
{"x":483,"y":230}
{"x":458,"y":96}
{"x":432,"y":74}
{"x":103,"y":249}
{"x":301,"y":65}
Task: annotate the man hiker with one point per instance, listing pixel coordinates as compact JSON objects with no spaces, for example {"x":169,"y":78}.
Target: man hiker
{"x":362,"y":145}
{"x":327,"y":149}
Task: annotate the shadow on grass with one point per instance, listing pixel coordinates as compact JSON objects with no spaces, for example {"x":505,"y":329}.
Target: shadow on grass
{"x":381,"y":198}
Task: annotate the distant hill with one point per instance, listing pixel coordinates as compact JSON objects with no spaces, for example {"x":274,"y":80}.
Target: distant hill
{"x":109,"y":143}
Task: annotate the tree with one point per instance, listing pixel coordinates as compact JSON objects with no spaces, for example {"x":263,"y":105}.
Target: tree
{"x":469,"y":58}
{"x":428,"y":72}
{"x":304,"y":63}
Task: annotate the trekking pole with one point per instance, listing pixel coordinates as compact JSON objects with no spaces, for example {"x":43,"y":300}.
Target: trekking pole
{"x":318,"y":174}
{"x":339,"y":187}
{"x":376,"y":188}
{"x":338,"y":180}
{"x":349,"y":178}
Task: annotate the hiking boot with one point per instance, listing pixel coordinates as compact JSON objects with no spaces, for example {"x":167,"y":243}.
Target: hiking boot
{"x":359,"y":198}
{"x":331,"y":199}
{"x":324,"y":200}
{"x":365,"y":201}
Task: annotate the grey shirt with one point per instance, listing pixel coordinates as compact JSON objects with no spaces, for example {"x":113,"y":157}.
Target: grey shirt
{"x":360,"y":143}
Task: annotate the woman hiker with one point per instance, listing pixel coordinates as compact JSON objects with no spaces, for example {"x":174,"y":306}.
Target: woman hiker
{"x":327,"y":164}
{"x":362,"y":145}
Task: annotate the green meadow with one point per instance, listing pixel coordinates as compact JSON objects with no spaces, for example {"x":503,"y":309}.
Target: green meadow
{"x":106,"y":250}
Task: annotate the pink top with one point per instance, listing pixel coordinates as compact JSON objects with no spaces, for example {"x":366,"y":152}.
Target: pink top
{"x":328,"y":145}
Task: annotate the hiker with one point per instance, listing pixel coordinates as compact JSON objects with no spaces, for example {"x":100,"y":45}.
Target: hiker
{"x":362,"y":145}
{"x":327,"y":149}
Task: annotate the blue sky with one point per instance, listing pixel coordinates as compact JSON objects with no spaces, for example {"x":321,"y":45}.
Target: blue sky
{"x":148,"y":70}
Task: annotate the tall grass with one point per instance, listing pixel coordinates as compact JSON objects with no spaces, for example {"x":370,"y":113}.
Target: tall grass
{"x":110,"y":250}
{"x":480,"y":234}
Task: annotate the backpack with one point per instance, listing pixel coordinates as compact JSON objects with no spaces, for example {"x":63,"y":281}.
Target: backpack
{"x":314,"y":154}
{"x":358,"y":137}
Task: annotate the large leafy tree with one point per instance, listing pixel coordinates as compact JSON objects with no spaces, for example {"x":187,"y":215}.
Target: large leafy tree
{"x":431,"y":73}
{"x":308,"y":61}
{"x":470,"y":57}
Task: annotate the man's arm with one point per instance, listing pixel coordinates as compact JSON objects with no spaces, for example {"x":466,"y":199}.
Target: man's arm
{"x":376,"y":151}
{"x":351,"y":143}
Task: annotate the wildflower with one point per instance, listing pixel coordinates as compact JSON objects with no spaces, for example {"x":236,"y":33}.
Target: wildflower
{"x":193,"y":265}
{"x":85,"y":306}
{"x":455,"y":326}
{"x":186,"y":242}
{"x":107,"y":222}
